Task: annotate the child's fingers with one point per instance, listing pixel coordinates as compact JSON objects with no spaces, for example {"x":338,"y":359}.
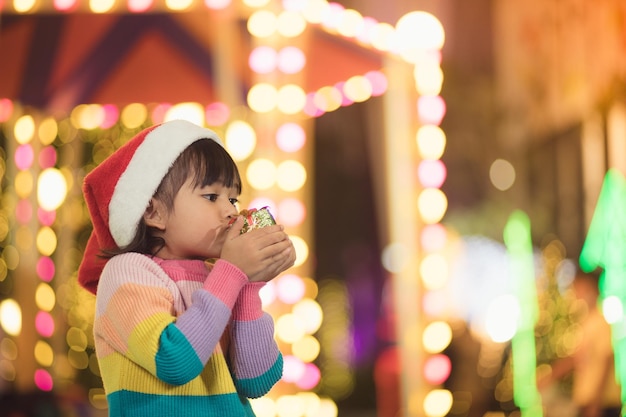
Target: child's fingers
{"x":235,"y":227}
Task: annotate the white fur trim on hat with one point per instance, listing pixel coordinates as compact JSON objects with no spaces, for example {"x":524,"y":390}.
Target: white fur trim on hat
{"x":145,"y":171}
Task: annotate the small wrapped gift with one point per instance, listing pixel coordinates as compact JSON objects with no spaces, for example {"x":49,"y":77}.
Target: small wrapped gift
{"x":256,"y":219}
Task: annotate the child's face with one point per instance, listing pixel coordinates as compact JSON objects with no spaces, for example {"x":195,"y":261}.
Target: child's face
{"x":197,"y":225}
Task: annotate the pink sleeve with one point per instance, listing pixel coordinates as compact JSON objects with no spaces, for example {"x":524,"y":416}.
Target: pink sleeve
{"x":248,"y":305}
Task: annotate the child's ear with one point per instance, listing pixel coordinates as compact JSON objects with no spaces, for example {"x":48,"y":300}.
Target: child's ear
{"x":154,"y":216}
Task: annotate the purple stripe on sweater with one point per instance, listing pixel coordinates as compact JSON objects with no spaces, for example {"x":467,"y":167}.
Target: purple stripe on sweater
{"x":204,"y":322}
{"x":255,"y":350}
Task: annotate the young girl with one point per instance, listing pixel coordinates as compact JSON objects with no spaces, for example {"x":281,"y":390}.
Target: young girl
{"x":174,"y":334}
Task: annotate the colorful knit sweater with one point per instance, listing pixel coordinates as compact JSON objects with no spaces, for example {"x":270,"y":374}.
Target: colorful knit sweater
{"x":175,"y":338}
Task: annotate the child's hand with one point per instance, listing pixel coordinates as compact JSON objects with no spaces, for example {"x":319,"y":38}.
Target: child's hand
{"x":261,"y":254}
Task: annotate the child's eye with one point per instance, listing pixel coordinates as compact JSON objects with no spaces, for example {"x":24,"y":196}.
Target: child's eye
{"x":211,"y":197}
{"x":233,"y":201}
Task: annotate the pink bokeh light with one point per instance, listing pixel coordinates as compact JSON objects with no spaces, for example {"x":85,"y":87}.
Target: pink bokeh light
{"x":43,"y":380}
{"x":290,"y":137}
{"x":437,"y":369}
{"x":44,"y":323}
{"x":24,"y":157}
{"x":23,"y":211}
{"x":6,"y":107}
{"x":310,"y":378}
{"x":432,"y":173}
{"x":217,"y":114}
{"x":290,"y":288}
{"x":45,"y":217}
{"x":434,"y":237}
{"x":47,"y":157}
{"x":45,"y":268}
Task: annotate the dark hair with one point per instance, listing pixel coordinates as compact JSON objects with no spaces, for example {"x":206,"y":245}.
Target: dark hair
{"x":205,"y":162}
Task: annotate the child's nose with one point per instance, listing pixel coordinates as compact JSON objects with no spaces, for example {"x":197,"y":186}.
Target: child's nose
{"x":231,"y":211}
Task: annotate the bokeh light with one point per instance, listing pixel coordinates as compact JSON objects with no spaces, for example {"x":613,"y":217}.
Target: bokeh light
{"x":240,"y":140}
{"x":263,"y":59}
{"x":261,"y":174}
{"x":436,"y":336}
{"x":292,"y":212}
{"x":43,"y":380}
{"x":291,"y":60}
{"x":291,"y":175}
{"x":502,"y":174}
{"x":262,"y":97}
{"x":51,"y":189}
{"x":432,"y":205}
{"x":11,"y":317}
{"x":290,"y":137}
{"x":502,"y":318}
{"x":290,"y":288}
{"x":437,"y":403}
{"x":262,"y":23}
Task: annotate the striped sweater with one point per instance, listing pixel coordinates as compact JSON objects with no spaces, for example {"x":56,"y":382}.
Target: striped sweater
{"x":175,"y":338}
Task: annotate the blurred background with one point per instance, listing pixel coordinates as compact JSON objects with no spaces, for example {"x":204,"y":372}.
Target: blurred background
{"x":442,"y":166}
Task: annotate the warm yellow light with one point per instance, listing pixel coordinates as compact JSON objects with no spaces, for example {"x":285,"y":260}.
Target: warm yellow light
{"x":307,"y":349}
{"x":437,"y":403}
{"x":434,"y":271}
{"x":432,"y":205}
{"x":302,"y":250}
{"x":327,"y":99}
{"x":178,"y":4}
{"x":428,"y":78}
{"x":431,"y":141}
{"x":312,"y":404}
{"x":192,"y":112}
{"x":44,"y":355}
{"x":11,"y":317}
{"x":23,"y":238}
{"x":23,"y":6}
{"x":23,"y":184}
{"x":240,"y":140}
{"x":382,"y":36}
{"x":101,"y":6}
{"x":262,"y":23}
{"x":261,"y":174}
{"x":310,"y":314}
{"x":262,"y":97}
{"x":291,"y":99}
{"x":289,"y":328}
{"x":290,"y":24}
{"x":46,"y":241}
{"x":45,"y":297}
{"x":358,"y":89}
{"x":76,"y":339}
{"x":263,"y":407}
{"x":291,"y":175}
{"x":326,"y":408}
{"x":351,"y":23}
{"x":256,"y":3}
{"x":314,"y":10}
{"x":416,"y":32}
{"x":134,"y":115}
{"x":436,"y":337}
{"x":51,"y":189}
{"x":48,"y":131}
{"x":24,"y":129}
{"x":290,"y":406}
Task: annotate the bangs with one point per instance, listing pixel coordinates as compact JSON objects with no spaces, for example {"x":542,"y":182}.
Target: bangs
{"x":210,"y":164}
{"x":205,"y":162}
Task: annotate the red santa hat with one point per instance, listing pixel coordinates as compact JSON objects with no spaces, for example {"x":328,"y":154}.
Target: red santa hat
{"x":119,"y":190}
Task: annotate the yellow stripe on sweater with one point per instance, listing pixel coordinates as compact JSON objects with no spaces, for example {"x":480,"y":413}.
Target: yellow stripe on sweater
{"x":119,"y":373}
